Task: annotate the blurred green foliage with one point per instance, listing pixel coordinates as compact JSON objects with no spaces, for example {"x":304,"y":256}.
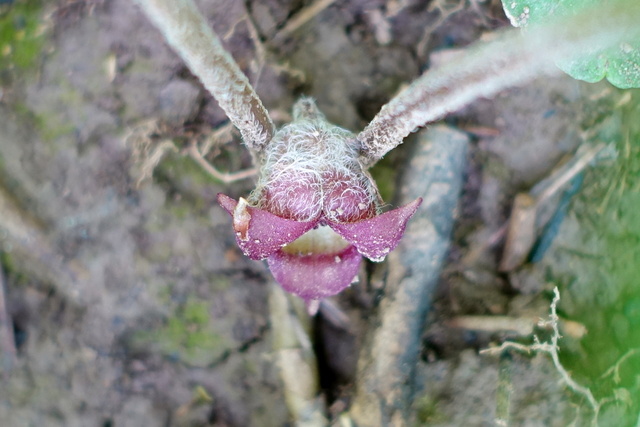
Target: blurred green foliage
{"x":605,"y":295}
{"x":620,"y":65}
{"x":21,"y":34}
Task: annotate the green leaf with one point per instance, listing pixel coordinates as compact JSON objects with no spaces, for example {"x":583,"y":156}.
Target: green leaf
{"x":21,"y":33}
{"x":620,"y":65}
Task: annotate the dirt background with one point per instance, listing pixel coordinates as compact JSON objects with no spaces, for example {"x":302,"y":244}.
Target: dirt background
{"x":128,"y":300}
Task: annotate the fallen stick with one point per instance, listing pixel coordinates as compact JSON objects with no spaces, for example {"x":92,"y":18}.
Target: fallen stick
{"x":390,"y":354}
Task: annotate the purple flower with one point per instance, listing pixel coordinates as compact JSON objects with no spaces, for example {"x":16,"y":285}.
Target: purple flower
{"x":315,"y":211}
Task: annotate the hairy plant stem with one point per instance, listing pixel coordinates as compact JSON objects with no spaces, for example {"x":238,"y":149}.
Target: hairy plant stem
{"x":190,"y":36}
{"x":487,"y":68}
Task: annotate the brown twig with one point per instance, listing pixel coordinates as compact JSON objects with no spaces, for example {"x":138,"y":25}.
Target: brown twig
{"x":550,"y":186}
{"x":294,"y":357}
{"x":521,"y":325}
{"x":303,"y":17}
{"x":524,"y":221}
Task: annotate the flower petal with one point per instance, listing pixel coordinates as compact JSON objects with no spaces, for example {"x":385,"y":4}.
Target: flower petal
{"x":377,"y":236}
{"x":348,"y":198}
{"x":258,"y":232}
{"x":315,"y":276}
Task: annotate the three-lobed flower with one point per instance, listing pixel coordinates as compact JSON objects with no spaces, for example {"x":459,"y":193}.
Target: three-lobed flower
{"x":315,"y":211}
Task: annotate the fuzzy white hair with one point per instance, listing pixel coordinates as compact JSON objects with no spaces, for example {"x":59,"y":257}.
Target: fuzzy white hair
{"x":311,"y":167}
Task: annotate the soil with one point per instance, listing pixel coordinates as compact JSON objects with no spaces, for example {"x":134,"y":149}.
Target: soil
{"x":127,"y":297}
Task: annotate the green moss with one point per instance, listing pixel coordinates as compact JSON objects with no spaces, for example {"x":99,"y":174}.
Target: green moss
{"x":250,"y":367}
{"x":21,"y":34}
{"x":220,"y":283}
{"x":385,"y":174}
{"x":184,"y":172}
{"x":12,"y":270}
{"x":196,"y":313}
{"x":188,"y":336}
{"x":51,"y":133}
{"x":54,"y":123}
{"x":164,"y":294}
{"x":180,"y":210}
{"x":6,"y":261}
{"x":426,"y":410}
{"x":49,"y":127}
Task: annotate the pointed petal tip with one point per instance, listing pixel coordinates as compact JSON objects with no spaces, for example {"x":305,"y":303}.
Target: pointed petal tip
{"x":376,"y":237}
{"x":227,"y":203}
{"x":260,"y":233}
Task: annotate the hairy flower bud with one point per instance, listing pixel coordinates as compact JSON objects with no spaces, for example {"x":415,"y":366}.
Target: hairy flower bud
{"x":315,"y":211}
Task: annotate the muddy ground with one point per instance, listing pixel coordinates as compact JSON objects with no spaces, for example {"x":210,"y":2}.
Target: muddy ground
{"x":128,"y":302}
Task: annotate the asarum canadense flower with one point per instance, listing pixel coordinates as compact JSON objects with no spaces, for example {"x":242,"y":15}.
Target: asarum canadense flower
{"x":316,"y":211}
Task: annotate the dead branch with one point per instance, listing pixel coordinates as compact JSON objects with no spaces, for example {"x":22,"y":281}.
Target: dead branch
{"x":390,"y":354}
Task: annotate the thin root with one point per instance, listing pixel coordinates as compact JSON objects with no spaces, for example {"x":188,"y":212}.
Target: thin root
{"x":615,"y":369}
{"x":552,"y":349}
{"x":218,"y":137}
{"x":225,"y":177}
{"x":151,"y":162}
